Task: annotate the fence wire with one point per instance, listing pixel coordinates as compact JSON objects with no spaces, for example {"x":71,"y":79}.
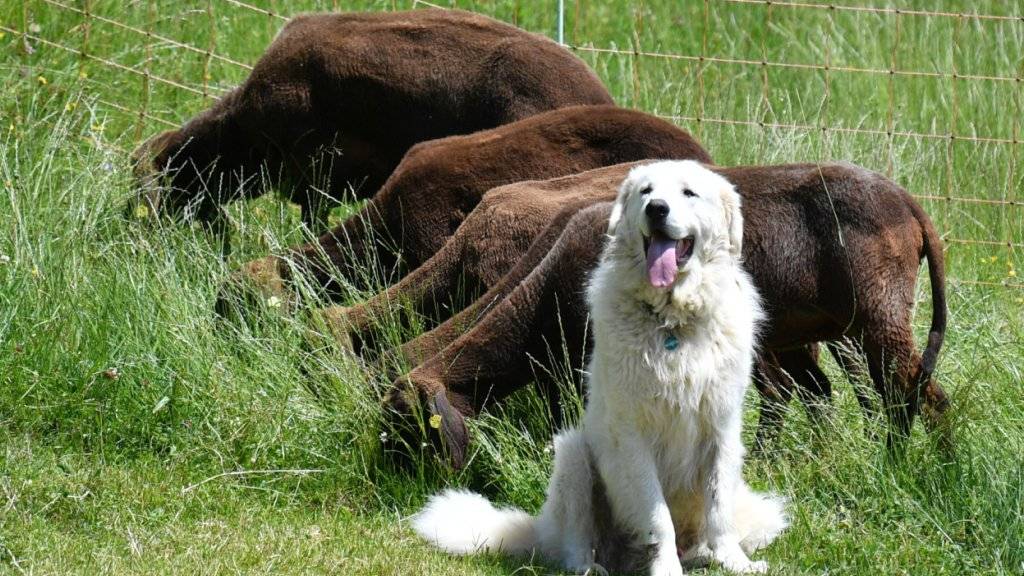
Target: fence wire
{"x":144,"y":117}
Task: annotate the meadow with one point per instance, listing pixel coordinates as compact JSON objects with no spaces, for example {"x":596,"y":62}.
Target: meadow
{"x":139,"y":433}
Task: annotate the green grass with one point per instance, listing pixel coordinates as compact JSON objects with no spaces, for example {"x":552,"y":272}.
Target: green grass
{"x":119,"y":391}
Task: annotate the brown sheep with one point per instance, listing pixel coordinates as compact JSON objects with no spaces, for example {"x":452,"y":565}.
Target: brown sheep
{"x":495,"y":235}
{"x":834,"y":250}
{"x":337,"y":99}
{"x":439,"y":182}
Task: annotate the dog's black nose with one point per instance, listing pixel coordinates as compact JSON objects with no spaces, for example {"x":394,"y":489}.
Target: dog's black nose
{"x":656,"y":210}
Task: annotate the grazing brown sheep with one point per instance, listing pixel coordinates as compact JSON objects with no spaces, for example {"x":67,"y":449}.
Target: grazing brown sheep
{"x":440,"y":182}
{"x":833,"y":248}
{"x":337,"y":100}
{"x":495,"y":235}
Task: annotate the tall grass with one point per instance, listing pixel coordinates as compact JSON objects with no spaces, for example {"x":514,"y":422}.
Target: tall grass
{"x":142,"y":434}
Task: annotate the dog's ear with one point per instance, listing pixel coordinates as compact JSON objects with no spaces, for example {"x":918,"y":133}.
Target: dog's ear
{"x":616,"y":215}
{"x":733,"y":218}
{"x":618,"y":208}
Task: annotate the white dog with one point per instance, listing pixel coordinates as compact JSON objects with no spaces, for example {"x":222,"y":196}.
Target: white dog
{"x":655,"y":467}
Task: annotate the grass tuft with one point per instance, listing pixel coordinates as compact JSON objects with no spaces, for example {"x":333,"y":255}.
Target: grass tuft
{"x":140,"y":432}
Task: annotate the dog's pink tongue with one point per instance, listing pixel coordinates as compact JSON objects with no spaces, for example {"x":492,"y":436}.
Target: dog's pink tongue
{"x":661,"y":261}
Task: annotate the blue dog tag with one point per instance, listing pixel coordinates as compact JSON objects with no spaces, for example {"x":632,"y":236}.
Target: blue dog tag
{"x":671,"y":342}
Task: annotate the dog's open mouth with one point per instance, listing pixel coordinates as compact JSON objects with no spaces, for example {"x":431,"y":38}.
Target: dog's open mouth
{"x":665,"y":256}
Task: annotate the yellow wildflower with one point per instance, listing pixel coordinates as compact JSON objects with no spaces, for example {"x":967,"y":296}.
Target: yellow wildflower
{"x":1012,"y":273}
{"x":35,"y":271}
{"x":83,"y":75}
{"x":141,"y":211}
{"x":435,"y":421}
{"x":99,"y":128}
{"x":42,"y":80}
{"x":70,"y":106}
{"x":2,"y":34}
{"x":993,"y":258}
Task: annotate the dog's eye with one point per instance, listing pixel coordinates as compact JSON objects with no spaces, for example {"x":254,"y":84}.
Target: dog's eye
{"x":646,"y":190}
{"x":689,"y":193}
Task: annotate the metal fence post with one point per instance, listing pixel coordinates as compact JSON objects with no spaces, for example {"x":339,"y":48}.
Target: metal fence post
{"x":561,"y":22}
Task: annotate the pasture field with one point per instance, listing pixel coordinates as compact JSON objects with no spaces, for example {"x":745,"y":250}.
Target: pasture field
{"x":140,"y":434}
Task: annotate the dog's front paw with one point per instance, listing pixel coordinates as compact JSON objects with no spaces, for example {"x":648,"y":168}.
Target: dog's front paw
{"x":666,"y":565}
{"x":743,"y":565}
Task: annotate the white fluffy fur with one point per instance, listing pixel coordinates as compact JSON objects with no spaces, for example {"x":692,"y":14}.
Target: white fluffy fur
{"x":461,"y":522}
{"x":662,"y":427}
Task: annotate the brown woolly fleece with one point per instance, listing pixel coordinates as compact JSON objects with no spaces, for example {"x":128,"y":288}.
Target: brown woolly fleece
{"x":833,"y":248}
{"x":440,"y":182}
{"x":495,"y":235}
{"x":337,"y":99}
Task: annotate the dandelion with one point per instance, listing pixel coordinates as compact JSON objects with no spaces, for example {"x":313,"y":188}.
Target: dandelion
{"x":141,"y":211}
{"x":435,"y":421}
{"x":274,"y":302}
{"x":70,"y":106}
{"x":42,"y":80}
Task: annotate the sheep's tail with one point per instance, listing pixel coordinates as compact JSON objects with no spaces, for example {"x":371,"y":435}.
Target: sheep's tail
{"x":932,"y":249}
{"x":462,"y":522}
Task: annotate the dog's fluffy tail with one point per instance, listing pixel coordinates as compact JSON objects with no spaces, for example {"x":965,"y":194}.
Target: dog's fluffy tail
{"x":759,"y":518}
{"x":462,"y":522}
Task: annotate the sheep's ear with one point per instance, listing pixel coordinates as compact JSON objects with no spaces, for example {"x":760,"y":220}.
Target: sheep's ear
{"x":733,"y":218}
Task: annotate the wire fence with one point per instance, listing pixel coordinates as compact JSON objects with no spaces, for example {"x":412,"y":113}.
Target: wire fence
{"x":80,"y":22}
